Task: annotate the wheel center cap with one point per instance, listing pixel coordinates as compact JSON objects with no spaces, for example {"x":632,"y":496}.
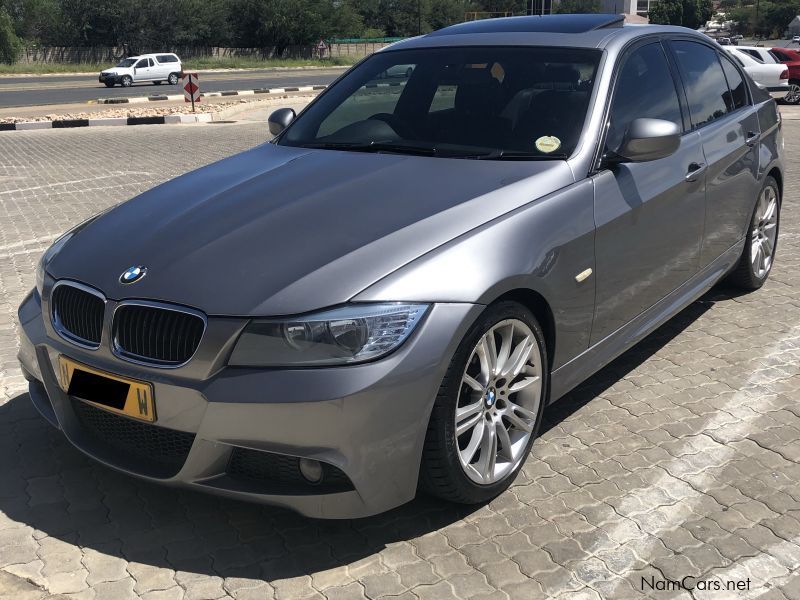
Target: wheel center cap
{"x":489,"y":398}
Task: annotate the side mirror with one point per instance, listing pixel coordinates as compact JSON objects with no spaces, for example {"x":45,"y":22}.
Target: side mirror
{"x":649,"y":139}
{"x":280,"y":119}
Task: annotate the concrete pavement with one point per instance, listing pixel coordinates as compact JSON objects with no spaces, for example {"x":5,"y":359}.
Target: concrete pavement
{"x":680,"y":459}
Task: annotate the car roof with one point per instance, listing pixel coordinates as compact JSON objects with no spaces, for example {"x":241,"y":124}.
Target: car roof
{"x":751,"y":48}
{"x":153,"y":55}
{"x":575,"y":31}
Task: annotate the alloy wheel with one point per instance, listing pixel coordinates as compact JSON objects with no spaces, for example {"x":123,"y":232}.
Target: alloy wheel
{"x":498,"y":401}
{"x":793,"y":95}
{"x":764,"y":233}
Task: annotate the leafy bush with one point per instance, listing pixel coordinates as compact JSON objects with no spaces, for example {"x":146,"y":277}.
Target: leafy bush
{"x":10,"y":45}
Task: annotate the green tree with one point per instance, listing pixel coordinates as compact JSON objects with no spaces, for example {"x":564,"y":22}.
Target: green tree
{"x":775,"y":17}
{"x":10,"y":46}
{"x":577,"y":6}
{"x":667,"y":12}
{"x":447,"y":12}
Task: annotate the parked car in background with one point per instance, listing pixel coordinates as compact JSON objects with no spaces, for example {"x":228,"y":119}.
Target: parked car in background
{"x":290,"y":325}
{"x":796,"y":39}
{"x":764,"y":69}
{"x":790,"y":58}
{"x":154,"y":68}
{"x":397,"y":72}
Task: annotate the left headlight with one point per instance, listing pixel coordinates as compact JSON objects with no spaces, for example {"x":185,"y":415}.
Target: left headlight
{"x":347,"y":335}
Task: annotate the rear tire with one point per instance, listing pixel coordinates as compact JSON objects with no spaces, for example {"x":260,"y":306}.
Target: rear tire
{"x":761,"y":240}
{"x":503,"y":404}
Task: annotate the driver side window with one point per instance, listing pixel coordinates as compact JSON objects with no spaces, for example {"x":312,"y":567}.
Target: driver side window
{"x":141,"y":64}
{"x":645,"y":89}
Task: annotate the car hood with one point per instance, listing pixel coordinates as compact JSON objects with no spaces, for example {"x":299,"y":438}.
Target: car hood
{"x":278,"y":230}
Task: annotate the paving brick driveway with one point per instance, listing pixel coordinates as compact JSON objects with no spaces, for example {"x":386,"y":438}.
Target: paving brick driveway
{"x":681,"y":458}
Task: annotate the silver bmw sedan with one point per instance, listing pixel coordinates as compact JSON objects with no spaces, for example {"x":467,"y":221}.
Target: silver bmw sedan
{"x":385,"y":297}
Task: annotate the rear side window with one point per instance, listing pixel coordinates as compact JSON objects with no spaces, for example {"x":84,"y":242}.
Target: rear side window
{"x":753,"y":53}
{"x":737,"y":98}
{"x":706,"y":87}
{"x":167,"y":58}
{"x":645,"y":89}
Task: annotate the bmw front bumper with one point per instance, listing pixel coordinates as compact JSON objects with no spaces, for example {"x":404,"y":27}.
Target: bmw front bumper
{"x":242,"y":429}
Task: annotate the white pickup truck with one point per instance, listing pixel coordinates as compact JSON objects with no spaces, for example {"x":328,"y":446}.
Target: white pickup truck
{"x":153,"y":68}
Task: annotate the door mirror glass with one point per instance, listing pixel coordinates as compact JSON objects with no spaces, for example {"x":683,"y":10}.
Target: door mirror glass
{"x":649,"y":139}
{"x":280,"y":119}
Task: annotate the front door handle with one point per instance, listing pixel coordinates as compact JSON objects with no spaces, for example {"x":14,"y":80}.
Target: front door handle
{"x":694,"y":171}
{"x":752,"y":138}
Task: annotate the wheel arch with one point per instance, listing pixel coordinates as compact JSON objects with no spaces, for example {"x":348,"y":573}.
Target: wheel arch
{"x":776,"y":174}
{"x":540,"y":307}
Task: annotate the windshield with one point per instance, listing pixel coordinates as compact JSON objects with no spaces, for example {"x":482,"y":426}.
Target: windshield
{"x":474,"y":102}
{"x":126,"y":62}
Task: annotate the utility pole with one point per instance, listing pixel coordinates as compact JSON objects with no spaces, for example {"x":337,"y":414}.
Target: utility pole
{"x":419,"y":17}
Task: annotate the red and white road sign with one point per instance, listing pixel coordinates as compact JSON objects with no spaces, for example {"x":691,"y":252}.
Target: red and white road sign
{"x":322,"y":46}
{"x":191,"y":87}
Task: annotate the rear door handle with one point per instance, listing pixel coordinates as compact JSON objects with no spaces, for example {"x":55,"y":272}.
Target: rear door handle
{"x":694,"y":171}
{"x":752,"y":138}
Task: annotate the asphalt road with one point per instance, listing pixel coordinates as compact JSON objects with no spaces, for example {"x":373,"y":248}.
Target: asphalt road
{"x":56,"y":89}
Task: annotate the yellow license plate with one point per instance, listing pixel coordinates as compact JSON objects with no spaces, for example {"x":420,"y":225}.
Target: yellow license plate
{"x":107,"y":391}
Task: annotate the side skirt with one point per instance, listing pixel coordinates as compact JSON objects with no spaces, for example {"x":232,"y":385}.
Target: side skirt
{"x":593,"y":359}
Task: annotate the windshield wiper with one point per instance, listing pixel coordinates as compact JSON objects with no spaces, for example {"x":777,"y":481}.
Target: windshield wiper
{"x":375,"y":147}
{"x":500,"y":154}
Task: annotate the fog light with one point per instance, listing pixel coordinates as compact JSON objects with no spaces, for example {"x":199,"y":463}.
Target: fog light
{"x":311,"y":470}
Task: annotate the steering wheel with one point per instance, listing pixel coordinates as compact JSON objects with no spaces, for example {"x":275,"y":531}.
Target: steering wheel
{"x":400,"y":127}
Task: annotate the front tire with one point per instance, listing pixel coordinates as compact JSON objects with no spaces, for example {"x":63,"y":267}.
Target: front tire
{"x":126,"y":81}
{"x":488,"y":409}
{"x":793,"y":95}
{"x":762,"y":240}
{"x":173,"y":79}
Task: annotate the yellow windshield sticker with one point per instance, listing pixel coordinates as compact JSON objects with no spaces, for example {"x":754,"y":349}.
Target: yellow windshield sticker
{"x":548,"y":144}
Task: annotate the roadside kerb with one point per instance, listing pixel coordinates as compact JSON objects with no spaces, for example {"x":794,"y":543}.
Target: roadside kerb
{"x":114,"y":121}
{"x":164,"y":97}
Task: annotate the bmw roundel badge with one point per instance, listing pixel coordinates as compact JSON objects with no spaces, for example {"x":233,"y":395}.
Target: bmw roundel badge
{"x":133,"y":274}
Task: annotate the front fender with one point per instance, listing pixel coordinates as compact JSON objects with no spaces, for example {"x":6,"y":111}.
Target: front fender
{"x":541,"y":246}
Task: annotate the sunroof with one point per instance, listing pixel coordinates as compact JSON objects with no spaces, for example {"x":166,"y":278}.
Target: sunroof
{"x":536,"y":24}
